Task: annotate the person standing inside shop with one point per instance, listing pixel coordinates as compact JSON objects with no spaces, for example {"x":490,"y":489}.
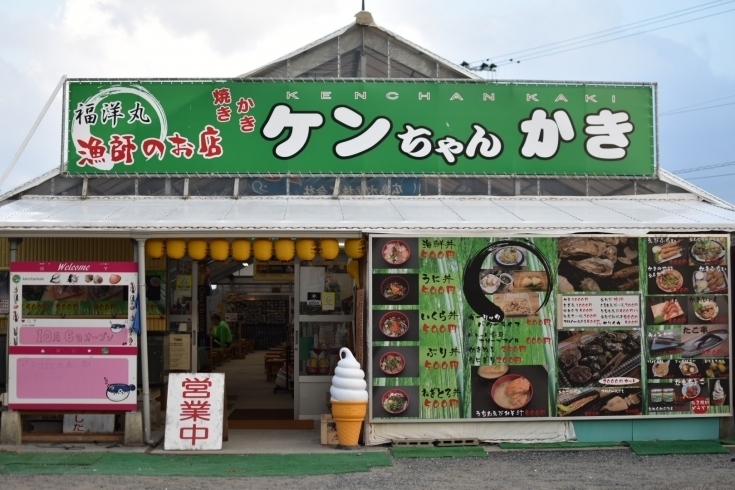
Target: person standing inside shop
{"x":221,"y":334}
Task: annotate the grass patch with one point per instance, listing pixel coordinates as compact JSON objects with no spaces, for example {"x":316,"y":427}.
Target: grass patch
{"x":399,"y":452}
{"x":224,"y":465}
{"x":657,"y":448}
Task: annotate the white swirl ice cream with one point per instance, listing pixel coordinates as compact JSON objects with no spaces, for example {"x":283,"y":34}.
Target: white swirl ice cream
{"x":718,"y":394}
{"x":348,"y":382}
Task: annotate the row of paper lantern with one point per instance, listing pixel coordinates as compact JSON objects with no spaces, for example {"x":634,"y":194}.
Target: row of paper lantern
{"x":240,"y":249}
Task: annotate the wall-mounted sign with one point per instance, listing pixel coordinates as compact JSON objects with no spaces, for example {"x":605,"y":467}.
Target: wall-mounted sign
{"x":361,"y":127}
{"x":70,"y":343}
{"x":581,"y":326}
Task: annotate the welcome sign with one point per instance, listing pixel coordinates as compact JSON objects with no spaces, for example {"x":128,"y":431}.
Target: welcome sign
{"x":241,"y":127}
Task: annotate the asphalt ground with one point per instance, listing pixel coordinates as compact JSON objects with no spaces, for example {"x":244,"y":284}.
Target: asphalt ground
{"x":560,"y":469}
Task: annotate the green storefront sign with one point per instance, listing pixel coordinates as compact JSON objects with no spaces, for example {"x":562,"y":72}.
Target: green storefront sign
{"x":358,"y":127}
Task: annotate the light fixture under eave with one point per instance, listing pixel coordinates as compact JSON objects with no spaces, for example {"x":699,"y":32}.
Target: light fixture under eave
{"x":245,"y":264}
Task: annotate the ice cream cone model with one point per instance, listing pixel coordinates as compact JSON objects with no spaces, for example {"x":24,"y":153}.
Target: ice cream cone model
{"x":349,"y":399}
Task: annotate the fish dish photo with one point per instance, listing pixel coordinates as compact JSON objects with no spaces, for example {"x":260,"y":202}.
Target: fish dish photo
{"x":394,"y":288}
{"x":394,"y":324}
{"x":396,"y":252}
{"x":392,"y":363}
{"x":395,"y":401}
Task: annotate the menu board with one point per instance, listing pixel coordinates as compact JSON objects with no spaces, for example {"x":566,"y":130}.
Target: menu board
{"x":571,"y":327}
{"x":71,"y":344}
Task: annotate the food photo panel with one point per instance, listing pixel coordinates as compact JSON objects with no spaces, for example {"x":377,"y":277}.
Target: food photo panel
{"x":395,"y":253}
{"x":705,"y":341}
{"x":708,"y":251}
{"x":396,"y":362}
{"x":396,"y":402}
{"x":395,"y":325}
{"x":502,"y":391}
{"x":595,"y":264}
{"x":709,"y":280}
{"x":595,"y":357}
{"x":599,"y":402}
{"x":395,"y":289}
{"x":663,"y":340}
{"x":708,"y":309}
{"x":680,"y":395}
{"x":666,"y":310}
{"x":667,"y":251}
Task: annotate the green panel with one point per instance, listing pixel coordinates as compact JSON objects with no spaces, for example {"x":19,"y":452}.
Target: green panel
{"x":241,"y":126}
{"x":691,"y":429}
{"x":603,"y":430}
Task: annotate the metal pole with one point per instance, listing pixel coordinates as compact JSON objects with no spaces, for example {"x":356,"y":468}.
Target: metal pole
{"x":144,"y":343}
{"x":32,"y":131}
{"x":14,"y":242}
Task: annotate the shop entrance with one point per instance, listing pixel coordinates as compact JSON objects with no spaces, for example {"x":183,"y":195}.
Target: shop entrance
{"x":288,"y":322}
{"x":258,"y":366}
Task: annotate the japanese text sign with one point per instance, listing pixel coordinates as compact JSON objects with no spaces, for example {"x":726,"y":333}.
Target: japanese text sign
{"x":359,"y":127}
{"x":71,"y":344}
{"x":195,"y":411}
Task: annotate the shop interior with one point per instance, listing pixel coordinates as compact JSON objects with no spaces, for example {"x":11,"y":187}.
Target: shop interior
{"x":288,"y":319}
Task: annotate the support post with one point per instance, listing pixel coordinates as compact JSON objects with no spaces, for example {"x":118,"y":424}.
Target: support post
{"x":142,"y":301}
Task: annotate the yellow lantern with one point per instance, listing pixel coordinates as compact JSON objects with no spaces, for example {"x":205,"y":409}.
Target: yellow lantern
{"x":306,"y":248}
{"x":241,"y":249}
{"x":328,"y":248}
{"x":263,"y":249}
{"x":353,"y":269}
{"x":355,"y":248}
{"x":285,"y":249}
{"x":154,"y":248}
{"x":175,"y":248}
{"x":219,"y":249}
{"x":197,"y":248}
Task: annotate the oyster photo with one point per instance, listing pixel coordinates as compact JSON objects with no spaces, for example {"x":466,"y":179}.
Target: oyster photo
{"x":598,"y":264}
{"x":590,"y":356}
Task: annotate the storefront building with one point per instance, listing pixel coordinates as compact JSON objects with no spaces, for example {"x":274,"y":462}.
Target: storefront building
{"x":507,"y":259}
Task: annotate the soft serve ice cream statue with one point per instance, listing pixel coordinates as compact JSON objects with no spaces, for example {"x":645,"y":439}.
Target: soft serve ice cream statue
{"x":348,"y":382}
{"x":349,"y":399}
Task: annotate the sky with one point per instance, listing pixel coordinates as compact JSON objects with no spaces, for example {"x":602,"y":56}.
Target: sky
{"x":693,"y":63}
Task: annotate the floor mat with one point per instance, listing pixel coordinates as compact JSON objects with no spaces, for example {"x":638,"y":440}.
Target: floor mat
{"x":727,"y":442}
{"x":261,"y":414}
{"x":201,"y":465}
{"x":437,"y":452}
{"x":556,"y":445}
{"x":654,"y":448}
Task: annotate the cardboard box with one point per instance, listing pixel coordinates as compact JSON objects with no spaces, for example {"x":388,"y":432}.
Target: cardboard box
{"x":177,"y":352}
{"x":329,"y":431}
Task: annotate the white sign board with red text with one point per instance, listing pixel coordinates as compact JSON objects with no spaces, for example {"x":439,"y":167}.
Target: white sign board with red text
{"x":195,"y":411}
{"x":70,"y":341}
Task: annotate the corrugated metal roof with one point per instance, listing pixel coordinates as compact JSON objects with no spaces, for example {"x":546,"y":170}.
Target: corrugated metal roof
{"x":142,"y":216}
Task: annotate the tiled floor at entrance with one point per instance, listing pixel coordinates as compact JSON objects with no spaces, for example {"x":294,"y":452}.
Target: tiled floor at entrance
{"x":246,"y":386}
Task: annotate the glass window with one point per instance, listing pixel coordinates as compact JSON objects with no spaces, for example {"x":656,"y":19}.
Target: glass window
{"x":151,"y":187}
{"x":611,"y":187}
{"x":405,"y":186}
{"x":263,"y":186}
{"x":311,"y":186}
{"x":350,"y":186}
{"x":563,"y":187}
{"x":650,"y":187}
{"x":526,"y":187}
{"x":211,"y":187}
{"x":111,"y":187}
{"x":57,"y":186}
{"x":464,"y":186}
{"x":501,"y":187}
{"x":675,"y":189}
{"x":429,"y":186}
{"x":377,"y":186}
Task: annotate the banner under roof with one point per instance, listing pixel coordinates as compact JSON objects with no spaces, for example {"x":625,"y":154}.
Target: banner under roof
{"x":359,"y":127}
